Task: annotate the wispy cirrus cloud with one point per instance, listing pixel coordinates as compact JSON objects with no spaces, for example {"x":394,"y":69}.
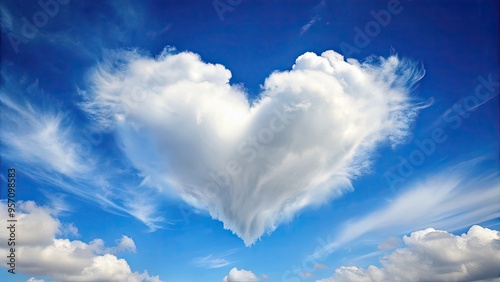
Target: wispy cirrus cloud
{"x":456,"y":197}
{"x":215,"y":261}
{"x":308,"y":25}
{"x":40,"y":137}
{"x":211,"y":262}
{"x":316,"y":16}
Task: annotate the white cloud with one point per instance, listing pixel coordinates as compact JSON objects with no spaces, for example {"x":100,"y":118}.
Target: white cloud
{"x":109,"y":268}
{"x":211,"y":262}
{"x":451,"y":199}
{"x":236,"y":275}
{"x":68,"y":229}
{"x":308,"y":25}
{"x":434,"y":255}
{"x":57,"y":202}
{"x":192,"y":134}
{"x":62,"y":259}
{"x":125,"y":244}
{"x":316,"y":13}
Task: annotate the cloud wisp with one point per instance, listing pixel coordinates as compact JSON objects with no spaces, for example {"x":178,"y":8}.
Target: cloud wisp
{"x":251,"y":165}
{"x":316,"y":16}
{"x":211,"y":261}
{"x":237,"y":275}
{"x":454,"y":198}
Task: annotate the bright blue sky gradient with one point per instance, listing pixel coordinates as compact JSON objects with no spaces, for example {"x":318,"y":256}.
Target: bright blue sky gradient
{"x":456,"y":42}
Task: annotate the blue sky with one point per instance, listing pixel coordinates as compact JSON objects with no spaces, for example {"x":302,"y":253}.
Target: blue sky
{"x":251,"y":140}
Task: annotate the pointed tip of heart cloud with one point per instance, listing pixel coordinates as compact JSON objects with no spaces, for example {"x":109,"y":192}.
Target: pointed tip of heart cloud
{"x":313,"y":129}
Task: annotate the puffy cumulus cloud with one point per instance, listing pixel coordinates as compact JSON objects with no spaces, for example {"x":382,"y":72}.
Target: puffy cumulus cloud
{"x":125,"y":244}
{"x":434,"y":255}
{"x":251,"y":165}
{"x":317,"y":14}
{"x":30,"y":225}
{"x":236,"y":275}
{"x":63,"y":259}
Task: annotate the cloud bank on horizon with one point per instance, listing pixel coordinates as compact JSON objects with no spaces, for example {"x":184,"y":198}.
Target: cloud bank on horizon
{"x":252,"y":164}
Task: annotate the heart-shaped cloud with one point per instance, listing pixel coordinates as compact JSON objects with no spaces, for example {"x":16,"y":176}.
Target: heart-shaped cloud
{"x":252,"y":164}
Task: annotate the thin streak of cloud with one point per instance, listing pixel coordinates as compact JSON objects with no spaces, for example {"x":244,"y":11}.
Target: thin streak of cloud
{"x":44,"y":239}
{"x":448,"y":200}
{"x":316,"y":12}
{"x":211,"y":262}
{"x":306,"y":27}
{"x":5,"y":19}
